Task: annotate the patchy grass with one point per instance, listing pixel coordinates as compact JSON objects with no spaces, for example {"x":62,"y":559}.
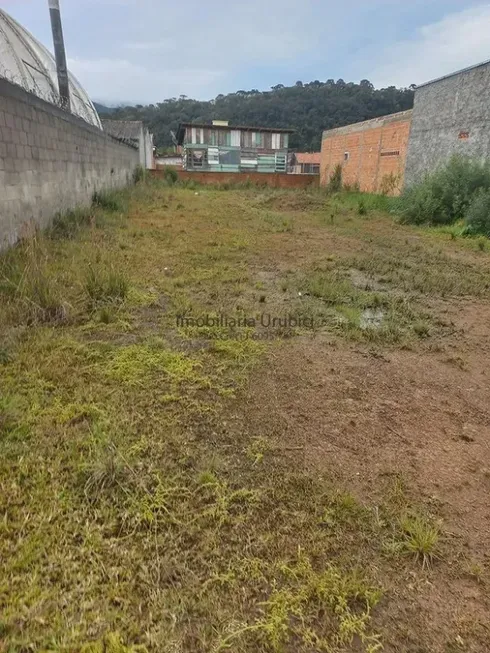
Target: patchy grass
{"x":28,"y":288}
{"x":110,"y":201}
{"x":138,"y":512}
{"x":105,"y":285}
{"x":366,"y":203}
{"x":336,"y":301}
{"x":439,"y":275}
{"x":69,"y":223}
{"x":420,"y":539}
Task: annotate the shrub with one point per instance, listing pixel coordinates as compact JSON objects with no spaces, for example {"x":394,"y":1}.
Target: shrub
{"x":190,"y":184}
{"x":69,"y":223}
{"x":108,"y":200}
{"x":170,"y":175}
{"x":478,"y":214}
{"x":389,"y":184}
{"x":352,"y":188}
{"x":445,"y":195}
{"x":102,"y":285}
{"x":42,"y":296}
{"x":335,"y":183}
{"x":26,"y":277}
{"x":4,"y":357}
{"x":139,"y":174}
{"x":419,"y":204}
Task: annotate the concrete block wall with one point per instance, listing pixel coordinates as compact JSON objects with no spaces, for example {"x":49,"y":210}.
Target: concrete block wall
{"x":51,"y":161}
{"x":450,"y":116}
{"x":372,"y":153}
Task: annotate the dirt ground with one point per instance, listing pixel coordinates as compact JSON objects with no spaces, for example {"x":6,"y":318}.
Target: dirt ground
{"x":320,"y":487}
{"x":368,"y":415}
{"x":364,"y":420}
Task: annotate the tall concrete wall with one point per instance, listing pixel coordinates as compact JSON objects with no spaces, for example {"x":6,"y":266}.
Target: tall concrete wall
{"x":372,"y":153}
{"x":450,"y":116}
{"x":51,"y":161}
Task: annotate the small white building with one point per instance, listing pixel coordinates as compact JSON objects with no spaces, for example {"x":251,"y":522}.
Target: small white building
{"x":133,"y":132}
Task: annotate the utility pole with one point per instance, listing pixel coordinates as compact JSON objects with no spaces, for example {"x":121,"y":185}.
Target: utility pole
{"x":60,"y":54}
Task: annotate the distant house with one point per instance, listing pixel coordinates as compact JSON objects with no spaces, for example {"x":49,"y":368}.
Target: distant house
{"x":135,"y":133}
{"x":219,"y":147}
{"x":305,"y":163}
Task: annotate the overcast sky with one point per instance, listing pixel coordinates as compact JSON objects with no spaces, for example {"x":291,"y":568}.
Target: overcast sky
{"x":143,"y":51}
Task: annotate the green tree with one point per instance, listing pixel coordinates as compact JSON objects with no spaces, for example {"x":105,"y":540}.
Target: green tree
{"x":308,"y":108}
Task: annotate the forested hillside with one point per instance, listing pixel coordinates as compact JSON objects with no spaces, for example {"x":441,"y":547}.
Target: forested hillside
{"x":307,"y":108}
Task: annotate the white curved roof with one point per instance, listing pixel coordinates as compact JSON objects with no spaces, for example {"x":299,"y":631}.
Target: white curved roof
{"x":25,"y":61}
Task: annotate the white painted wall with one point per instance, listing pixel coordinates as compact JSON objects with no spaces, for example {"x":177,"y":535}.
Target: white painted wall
{"x":147,"y":160}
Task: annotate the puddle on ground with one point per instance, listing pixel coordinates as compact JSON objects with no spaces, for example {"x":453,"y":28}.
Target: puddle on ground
{"x":371,"y":318}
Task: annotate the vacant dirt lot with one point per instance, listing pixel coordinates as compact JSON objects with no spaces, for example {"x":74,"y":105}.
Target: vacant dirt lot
{"x":244,"y":420}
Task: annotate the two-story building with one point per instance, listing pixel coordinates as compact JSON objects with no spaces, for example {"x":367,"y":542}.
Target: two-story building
{"x":219,"y":147}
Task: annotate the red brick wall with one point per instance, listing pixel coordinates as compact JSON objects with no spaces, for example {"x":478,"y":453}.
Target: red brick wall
{"x":275,"y":180}
{"x":377,"y":152}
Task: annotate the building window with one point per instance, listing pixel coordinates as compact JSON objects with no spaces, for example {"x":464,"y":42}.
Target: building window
{"x":310,"y":168}
{"x":196,"y":159}
{"x":256,"y":139}
{"x":267,"y":136}
{"x":247,"y":139}
{"x":346,"y":156}
{"x":224,"y":137}
{"x":229,"y":157}
{"x":276,"y":141}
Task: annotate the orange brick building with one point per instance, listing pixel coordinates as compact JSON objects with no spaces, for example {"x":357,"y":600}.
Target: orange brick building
{"x":372,"y":153}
